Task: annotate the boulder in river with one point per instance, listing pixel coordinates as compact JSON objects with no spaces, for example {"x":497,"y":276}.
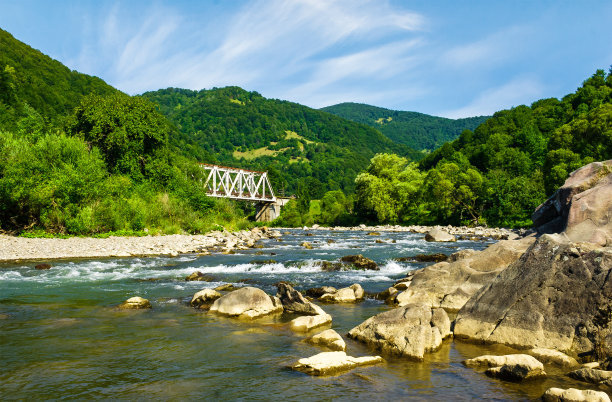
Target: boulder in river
{"x":247,"y":302}
{"x":198,"y":276}
{"x":360,"y":262}
{"x":552,"y":356}
{"x":309,"y":322}
{"x":435,"y":257}
{"x":294,"y":302}
{"x":320,"y":291}
{"x":306,"y":245}
{"x":332,"y":362}
{"x":350,"y":294}
{"x":558,"y":295}
{"x":451,"y":283}
{"x":593,"y":376}
{"x":328,"y":338}
{"x":135,"y":303}
{"x":581,"y":207}
{"x":517,"y":367}
{"x":409,"y":331}
{"x":439,"y":235}
{"x":574,"y":395}
{"x":204,"y":297}
{"x":43,"y":266}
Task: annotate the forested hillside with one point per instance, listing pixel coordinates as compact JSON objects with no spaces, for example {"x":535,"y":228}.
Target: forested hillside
{"x":44,"y":84}
{"x":417,"y":130}
{"x":500,"y":172}
{"x":79,"y":157}
{"x":306,"y":151}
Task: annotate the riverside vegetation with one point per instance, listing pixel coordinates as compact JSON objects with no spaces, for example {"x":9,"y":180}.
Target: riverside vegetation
{"x":80,"y":157}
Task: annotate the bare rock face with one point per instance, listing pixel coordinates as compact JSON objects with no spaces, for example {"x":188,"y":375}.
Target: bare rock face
{"x":352,"y":294}
{"x":294,"y":302}
{"x":451,"y":283}
{"x":135,"y":303}
{"x":582,"y":207}
{"x":574,"y":395}
{"x":439,"y":235}
{"x":204,"y":297}
{"x":332,"y":362}
{"x":558,"y":295}
{"x":328,"y":338}
{"x":247,"y":302}
{"x":409,"y":331}
{"x":516,"y":367}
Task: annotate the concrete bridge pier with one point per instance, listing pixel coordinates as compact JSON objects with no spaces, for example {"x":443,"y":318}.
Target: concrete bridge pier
{"x":268,"y":211}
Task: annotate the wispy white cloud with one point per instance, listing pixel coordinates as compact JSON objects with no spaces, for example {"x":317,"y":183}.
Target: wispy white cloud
{"x":294,"y":48}
{"x":522,"y":90}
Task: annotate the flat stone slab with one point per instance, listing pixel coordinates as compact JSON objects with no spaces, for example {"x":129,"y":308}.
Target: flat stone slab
{"x":573,"y":394}
{"x":327,"y":363}
{"x":308,"y":322}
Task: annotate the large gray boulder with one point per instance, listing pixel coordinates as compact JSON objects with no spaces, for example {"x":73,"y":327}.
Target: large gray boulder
{"x":440,"y":235}
{"x":247,"y":302}
{"x":582,"y":207}
{"x":558,"y":295}
{"x":409,"y":331}
{"x":451,"y":283}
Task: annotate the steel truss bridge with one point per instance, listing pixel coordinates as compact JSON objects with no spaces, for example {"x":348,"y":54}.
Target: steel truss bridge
{"x":238,"y":184}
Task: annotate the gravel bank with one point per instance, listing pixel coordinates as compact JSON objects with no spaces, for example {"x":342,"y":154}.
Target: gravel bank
{"x":20,"y":248}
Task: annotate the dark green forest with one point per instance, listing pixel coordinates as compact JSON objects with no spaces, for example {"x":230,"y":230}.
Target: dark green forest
{"x":306,"y":151}
{"x":416,"y":130}
{"x":498,"y":173}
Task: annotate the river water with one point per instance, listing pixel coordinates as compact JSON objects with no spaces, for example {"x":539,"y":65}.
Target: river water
{"x":61,"y":336}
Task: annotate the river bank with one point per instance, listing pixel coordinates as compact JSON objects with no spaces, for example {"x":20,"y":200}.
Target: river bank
{"x":37,"y":249}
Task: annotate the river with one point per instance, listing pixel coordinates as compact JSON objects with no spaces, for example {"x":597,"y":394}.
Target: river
{"x":61,"y":336}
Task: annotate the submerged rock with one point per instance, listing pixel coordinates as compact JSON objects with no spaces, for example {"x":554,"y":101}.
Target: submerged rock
{"x":332,"y":362}
{"x":436,"y":257}
{"x":451,"y":283}
{"x":517,"y":367}
{"x":409,"y":331}
{"x":135,"y":303}
{"x":593,"y":376}
{"x":306,"y":245}
{"x":351,"y":294}
{"x":204,"y":297}
{"x":557,"y":296}
{"x":43,"y":266}
{"x":328,"y":338}
{"x":198,"y":276}
{"x":574,"y":395}
{"x":294,"y":302}
{"x":553,"y":357}
{"x":360,"y":262}
{"x":247,"y":302}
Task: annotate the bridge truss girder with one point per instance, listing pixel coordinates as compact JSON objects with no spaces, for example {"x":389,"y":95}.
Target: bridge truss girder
{"x":238,"y":184}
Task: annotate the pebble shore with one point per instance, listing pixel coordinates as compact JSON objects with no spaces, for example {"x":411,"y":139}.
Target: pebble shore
{"x":20,"y":248}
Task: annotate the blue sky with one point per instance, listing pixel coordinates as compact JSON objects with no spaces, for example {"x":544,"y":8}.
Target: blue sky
{"x":446,"y":58}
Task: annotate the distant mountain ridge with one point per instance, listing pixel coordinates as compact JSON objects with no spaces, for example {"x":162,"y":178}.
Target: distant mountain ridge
{"x":417,"y":130}
{"x":300,"y":146}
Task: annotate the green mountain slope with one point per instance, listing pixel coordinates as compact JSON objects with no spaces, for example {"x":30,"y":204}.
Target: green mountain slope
{"x":46,"y":85}
{"x":417,"y":130}
{"x":306,"y":151}
{"x":500,"y":172}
